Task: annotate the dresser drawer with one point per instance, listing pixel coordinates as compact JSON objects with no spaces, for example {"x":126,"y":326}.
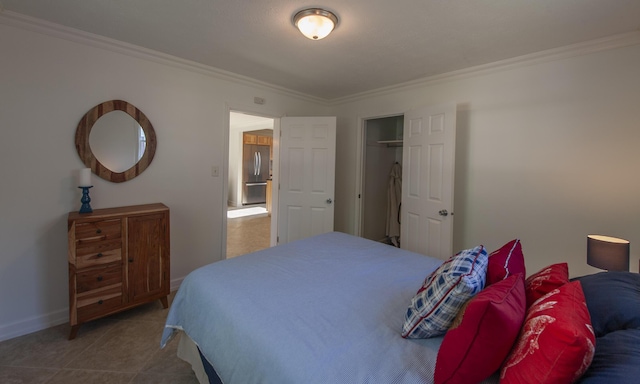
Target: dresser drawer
{"x":84,"y":247}
{"x":97,"y":243}
{"x":98,"y":277}
{"x":99,"y":302}
{"x":98,"y":258}
{"x":98,"y":230}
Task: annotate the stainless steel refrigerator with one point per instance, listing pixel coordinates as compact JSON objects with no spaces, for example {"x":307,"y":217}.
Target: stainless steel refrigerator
{"x":255,"y":166}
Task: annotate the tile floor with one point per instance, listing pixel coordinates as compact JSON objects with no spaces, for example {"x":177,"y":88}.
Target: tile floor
{"x":248,"y":234}
{"x":120,"y":349}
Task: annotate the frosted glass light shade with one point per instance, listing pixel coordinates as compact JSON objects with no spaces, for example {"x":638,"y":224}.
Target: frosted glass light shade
{"x":315,"y":23}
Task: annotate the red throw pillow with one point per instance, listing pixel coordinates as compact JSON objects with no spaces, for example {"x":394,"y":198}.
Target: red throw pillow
{"x":545,"y":281}
{"x":556,"y":344}
{"x":482,"y":334}
{"x":505,"y":262}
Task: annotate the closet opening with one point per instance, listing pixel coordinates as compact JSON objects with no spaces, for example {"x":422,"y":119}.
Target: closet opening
{"x":381,"y":179}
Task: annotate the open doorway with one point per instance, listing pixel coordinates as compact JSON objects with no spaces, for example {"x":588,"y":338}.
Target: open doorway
{"x":249,"y":185}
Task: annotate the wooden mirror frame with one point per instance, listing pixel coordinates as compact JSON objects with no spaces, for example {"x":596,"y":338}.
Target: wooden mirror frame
{"x":86,"y":154}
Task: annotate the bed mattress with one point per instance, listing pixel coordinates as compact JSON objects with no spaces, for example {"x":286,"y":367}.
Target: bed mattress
{"x":327,"y":309}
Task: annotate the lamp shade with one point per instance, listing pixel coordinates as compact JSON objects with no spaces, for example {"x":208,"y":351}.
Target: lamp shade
{"x":315,"y":23}
{"x":608,"y":253}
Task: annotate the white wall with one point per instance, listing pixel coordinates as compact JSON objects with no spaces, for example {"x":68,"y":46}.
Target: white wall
{"x":46,"y":85}
{"x":546,"y":152}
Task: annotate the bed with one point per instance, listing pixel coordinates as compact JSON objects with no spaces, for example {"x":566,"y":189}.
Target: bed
{"x":326,"y":309}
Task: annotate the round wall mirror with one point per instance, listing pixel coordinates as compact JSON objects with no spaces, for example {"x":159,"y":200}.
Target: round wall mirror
{"x":116,"y":140}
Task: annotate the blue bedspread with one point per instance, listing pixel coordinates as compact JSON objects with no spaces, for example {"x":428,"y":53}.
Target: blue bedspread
{"x":327,"y":309}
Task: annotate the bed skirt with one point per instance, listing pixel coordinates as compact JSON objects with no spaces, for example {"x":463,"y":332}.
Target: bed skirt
{"x":189,"y":352}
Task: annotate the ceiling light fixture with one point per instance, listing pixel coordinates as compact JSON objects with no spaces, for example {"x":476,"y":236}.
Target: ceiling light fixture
{"x":315,"y":23}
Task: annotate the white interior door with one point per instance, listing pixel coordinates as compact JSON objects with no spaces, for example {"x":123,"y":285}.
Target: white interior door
{"x":427,"y":180}
{"x":306,"y":177}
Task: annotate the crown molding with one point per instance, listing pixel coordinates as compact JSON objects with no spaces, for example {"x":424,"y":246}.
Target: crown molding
{"x":584,"y":48}
{"x":44,"y":27}
{"x":70,"y":34}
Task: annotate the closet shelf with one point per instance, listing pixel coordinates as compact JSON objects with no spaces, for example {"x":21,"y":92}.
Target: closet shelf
{"x":391,"y":143}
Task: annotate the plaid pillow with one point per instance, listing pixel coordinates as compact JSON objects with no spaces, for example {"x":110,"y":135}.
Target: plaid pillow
{"x":444,"y":292}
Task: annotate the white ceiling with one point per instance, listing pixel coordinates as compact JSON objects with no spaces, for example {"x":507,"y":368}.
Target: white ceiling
{"x":376,"y":44}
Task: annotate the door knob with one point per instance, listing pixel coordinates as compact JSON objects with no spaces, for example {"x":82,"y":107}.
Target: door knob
{"x":329,"y":201}
{"x":443,"y":212}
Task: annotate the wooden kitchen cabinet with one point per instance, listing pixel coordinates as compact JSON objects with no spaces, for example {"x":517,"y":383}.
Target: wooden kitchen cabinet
{"x":118,"y":259}
{"x":248,"y":138}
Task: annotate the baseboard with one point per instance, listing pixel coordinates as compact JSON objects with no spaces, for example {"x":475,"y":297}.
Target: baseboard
{"x":34,"y":324}
{"x":175,"y":284}
{"x":61,"y":316}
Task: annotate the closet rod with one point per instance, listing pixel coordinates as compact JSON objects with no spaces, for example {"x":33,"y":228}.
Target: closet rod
{"x":391,"y":143}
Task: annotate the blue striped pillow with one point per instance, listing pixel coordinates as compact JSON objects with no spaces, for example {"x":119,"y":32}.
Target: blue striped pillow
{"x":444,"y":292}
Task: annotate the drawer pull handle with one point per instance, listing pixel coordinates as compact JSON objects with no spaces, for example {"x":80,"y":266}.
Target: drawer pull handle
{"x":99,"y":231}
{"x":99,"y":278}
{"x":131,"y":260}
{"x":100,"y":301}
{"x":99,"y":255}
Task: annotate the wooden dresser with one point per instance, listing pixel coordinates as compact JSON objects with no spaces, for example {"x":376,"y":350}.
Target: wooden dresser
{"x":118,"y":259}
